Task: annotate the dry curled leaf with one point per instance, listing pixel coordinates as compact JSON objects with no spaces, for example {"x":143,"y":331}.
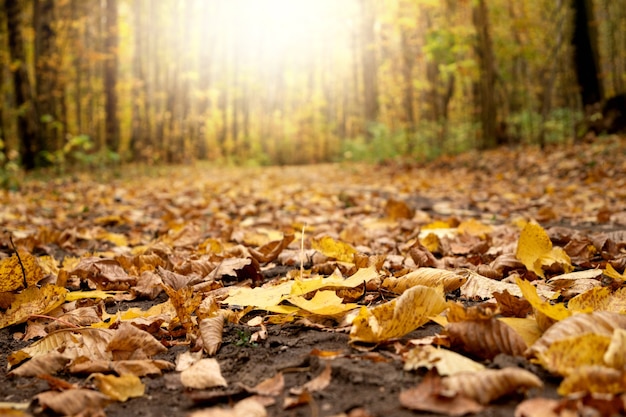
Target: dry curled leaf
{"x":211,"y":333}
{"x":598,"y":322}
{"x":72,"y":402}
{"x":490,"y":384}
{"x":203,"y":374}
{"x":486,"y":338}
{"x":429,"y":277}
{"x":397,"y":317}
{"x":594,"y":379}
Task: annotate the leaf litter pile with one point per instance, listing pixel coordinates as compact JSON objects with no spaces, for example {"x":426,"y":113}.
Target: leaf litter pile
{"x":487,"y":284}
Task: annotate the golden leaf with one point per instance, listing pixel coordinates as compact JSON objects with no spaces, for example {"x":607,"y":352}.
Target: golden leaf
{"x":11,"y":275}
{"x":445,"y":361}
{"x":475,"y":228}
{"x":600,"y":298}
{"x":594,"y":379}
{"x":429,"y":277}
{"x":332,"y":248}
{"x":491,"y":384}
{"x":565,"y":355}
{"x":33,"y":300}
{"x":599,"y":322}
{"x":119,"y":388}
{"x":325,"y":303}
{"x":614,"y":355}
{"x":553,"y":311}
{"x":534,"y":250}
{"x":399,"y":316}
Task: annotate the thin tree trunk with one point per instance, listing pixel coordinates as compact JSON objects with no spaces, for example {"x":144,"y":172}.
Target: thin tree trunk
{"x":487,"y":83}
{"x":112,"y":125}
{"x":27,"y":120}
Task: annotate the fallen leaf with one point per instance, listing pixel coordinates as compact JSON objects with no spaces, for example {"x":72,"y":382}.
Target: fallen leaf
{"x":72,"y":402}
{"x":33,"y":300}
{"x":119,"y":388}
{"x":594,"y":379}
{"x":211,"y":333}
{"x":335,"y":249}
{"x":203,"y":374}
{"x":490,"y":384}
{"x":429,"y":277}
{"x":535,"y":250}
{"x":565,"y":355}
{"x":430,"y":395}
{"x":399,"y":316}
{"x":446,"y":362}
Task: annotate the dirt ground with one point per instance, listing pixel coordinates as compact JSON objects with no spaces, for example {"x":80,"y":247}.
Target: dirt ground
{"x":360,"y":381}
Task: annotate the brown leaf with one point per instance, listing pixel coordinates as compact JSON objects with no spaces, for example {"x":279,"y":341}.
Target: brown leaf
{"x":129,"y":342}
{"x":430,"y":396}
{"x":485,"y":338}
{"x":211,"y":333}
{"x":72,"y":402}
{"x":491,"y":384}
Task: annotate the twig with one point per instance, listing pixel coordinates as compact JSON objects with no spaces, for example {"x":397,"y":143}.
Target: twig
{"x":302,"y":252}
{"x":19,"y":260}
{"x":42,"y":316}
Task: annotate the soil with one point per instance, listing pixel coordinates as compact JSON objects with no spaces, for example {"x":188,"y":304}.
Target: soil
{"x":361,"y":381}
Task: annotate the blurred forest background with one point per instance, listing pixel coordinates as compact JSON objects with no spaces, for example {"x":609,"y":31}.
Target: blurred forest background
{"x":96,"y":82}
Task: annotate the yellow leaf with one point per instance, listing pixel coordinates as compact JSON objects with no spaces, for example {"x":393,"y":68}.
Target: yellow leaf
{"x":325,"y":303}
{"x":594,"y":379}
{"x":611,"y":272}
{"x":475,"y":228}
{"x":11,"y":275}
{"x":565,"y":355}
{"x":599,"y":298}
{"x":261,"y":297}
{"x":305,"y":286}
{"x":598,"y":322}
{"x":116,"y":238}
{"x":429,"y":277}
{"x":399,"y":316}
{"x":527,"y":328}
{"x":614,"y":355}
{"x":445,"y":361}
{"x":97,"y":294}
{"x":554,"y":311}
{"x":534,"y":250}
{"x":33,"y":300}
{"x":119,"y":388}
{"x":332,"y":248}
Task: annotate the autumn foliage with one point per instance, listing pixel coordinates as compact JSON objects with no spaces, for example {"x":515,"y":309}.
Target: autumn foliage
{"x":509,"y":253}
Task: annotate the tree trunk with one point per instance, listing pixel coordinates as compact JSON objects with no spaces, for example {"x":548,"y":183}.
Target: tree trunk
{"x":586,"y":60}
{"x":368,"y":61}
{"x":112,"y":125}
{"x":46,"y":75}
{"x":487,"y":82}
{"x":27,"y":120}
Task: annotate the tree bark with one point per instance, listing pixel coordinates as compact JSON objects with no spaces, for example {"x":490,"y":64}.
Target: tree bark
{"x":586,"y":60}
{"x":368,"y":62}
{"x":27,"y":118}
{"x":112,"y":125}
{"x":487,"y":82}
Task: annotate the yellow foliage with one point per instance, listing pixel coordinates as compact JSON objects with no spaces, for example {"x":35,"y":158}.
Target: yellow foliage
{"x":332,"y":248}
{"x":33,"y":300}
{"x":599,"y":298}
{"x":565,"y":355}
{"x":475,"y":228}
{"x":119,"y":388}
{"x":534,"y":250}
{"x":554,"y":311}
{"x":399,"y":316}
{"x":11,"y":275}
{"x":323,"y":302}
